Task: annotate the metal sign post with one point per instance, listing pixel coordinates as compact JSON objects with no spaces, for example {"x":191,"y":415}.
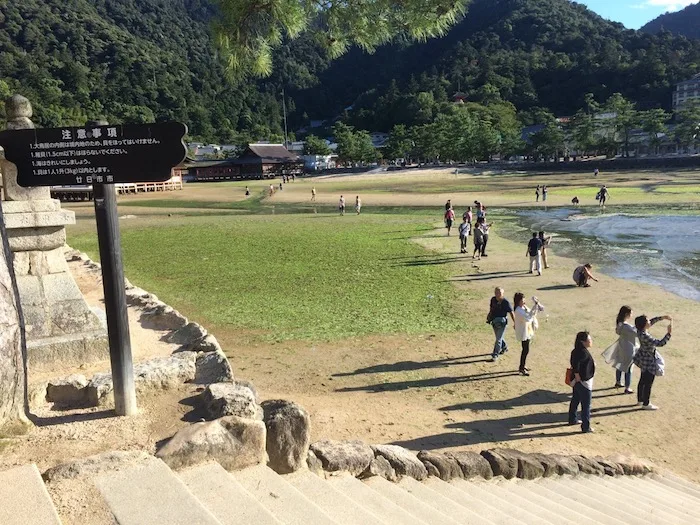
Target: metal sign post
{"x":101,"y":155}
{"x":109,"y":240}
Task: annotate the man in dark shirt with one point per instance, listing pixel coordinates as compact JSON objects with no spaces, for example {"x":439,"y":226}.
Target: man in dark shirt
{"x":534,"y":251}
{"x":499,"y":310}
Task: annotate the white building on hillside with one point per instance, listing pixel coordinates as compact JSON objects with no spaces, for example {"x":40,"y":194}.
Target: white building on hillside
{"x":686,"y":92}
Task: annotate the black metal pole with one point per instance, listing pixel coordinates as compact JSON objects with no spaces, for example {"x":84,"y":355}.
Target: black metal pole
{"x":109,"y":241}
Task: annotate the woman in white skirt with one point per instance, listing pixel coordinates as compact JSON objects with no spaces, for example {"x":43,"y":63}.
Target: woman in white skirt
{"x":621,"y":353}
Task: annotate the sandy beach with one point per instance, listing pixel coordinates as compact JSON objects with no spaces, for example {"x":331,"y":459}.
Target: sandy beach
{"x":441,"y":392}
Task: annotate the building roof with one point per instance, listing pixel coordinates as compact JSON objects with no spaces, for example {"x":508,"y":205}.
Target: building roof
{"x":267,"y":154}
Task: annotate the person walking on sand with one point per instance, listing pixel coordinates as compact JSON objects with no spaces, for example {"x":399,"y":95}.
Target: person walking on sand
{"x":534,"y":251}
{"x":621,"y":353}
{"x":604,"y":196}
{"x":468,"y":215}
{"x":313,"y":194}
{"x":480,"y":210}
{"x":583,"y":365}
{"x":546,"y":241}
{"x":358,"y":204}
{"x":525,"y":324}
{"x":537,"y":193}
{"x":595,"y":172}
{"x":648,"y":359}
{"x":478,"y":234}
{"x":499,"y":310}
{"x":582,"y":275}
{"x":247,"y":192}
{"x":544,"y":193}
{"x":341,"y":205}
{"x":272,"y":190}
{"x":464,"y":235}
{"x":485,"y":227}
{"x":449,"y":220}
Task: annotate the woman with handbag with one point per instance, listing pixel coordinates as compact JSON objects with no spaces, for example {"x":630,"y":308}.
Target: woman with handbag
{"x":648,"y":359}
{"x":525,"y":325}
{"x":583,"y":368}
{"x":621,"y":353}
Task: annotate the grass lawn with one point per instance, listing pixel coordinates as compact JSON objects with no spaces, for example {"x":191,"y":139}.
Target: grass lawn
{"x":281,"y":277}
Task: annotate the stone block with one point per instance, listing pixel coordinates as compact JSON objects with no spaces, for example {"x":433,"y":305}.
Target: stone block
{"x":288,"y":435}
{"x":73,"y":317}
{"x":12,"y":190}
{"x":351,"y":456}
{"x":234,"y":442}
{"x":31,"y":292}
{"x":69,"y":392}
{"x":404,"y":462}
{"x":440,"y":465}
{"x":44,"y":239}
{"x":56,"y":261}
{"x":229,"y":399}
{"x":36,"y":321}
{"x":69,"y":350}
{"x":9,"y":207}
{"x":473,"y":465}
{"x":61,"y":287}
{"x":212,"y":367}
{"x":21,"y":263}
{"x":40,"y":219}
{"x":382,"y":468}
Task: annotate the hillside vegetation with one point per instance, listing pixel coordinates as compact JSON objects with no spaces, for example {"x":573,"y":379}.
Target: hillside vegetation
{"x":145,"y":60}
{"x":685,"y":22}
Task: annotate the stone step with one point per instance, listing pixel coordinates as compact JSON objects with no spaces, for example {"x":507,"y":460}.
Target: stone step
{"x":285,"y":502}
{"x":489,"y":492}
{"x":410,"y":503}
{"x":442,"y":503}
{"x":627,"y":510}
{"x":374,"y":502}
{"x":663,"y":496}
{"x":572,"y":489}
{"x":678,"y":484}
{"x":594,"y":514}
{"x":151,"y":493}
{"x":225,"y":497}
{"x":337,"y":505}
{"x":553,"y":511}
{"x":488,"y":511}
{"x":615,"y":485}
{"x":688,"y":484}
{"x":24,"y":498}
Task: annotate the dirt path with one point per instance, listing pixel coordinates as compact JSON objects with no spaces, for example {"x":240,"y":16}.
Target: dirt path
{"x":441,"y":391}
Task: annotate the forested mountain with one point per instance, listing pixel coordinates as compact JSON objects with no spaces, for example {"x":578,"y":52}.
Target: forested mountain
{"x":685,"y":22}
{"x":533,"y":53}
{"x":129,"y":61}
{"x":140,"y":60}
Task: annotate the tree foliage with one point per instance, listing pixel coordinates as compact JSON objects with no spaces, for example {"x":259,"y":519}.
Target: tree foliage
{"x":685,"y":22}
{"x":316,"y":146}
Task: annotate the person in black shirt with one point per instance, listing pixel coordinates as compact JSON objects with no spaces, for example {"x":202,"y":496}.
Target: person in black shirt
{"x":584,"y":369}
{"x":534,"y":251}
{"x":499,"y":310}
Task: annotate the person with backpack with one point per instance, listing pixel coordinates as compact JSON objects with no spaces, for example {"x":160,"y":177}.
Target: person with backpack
{"x":604,"y":196}
{"x":583,"y":367}
{"x":534,"y":251}
{"x":449,"y":220}
{"x":464,"y":235}
{"x":648,"y":359}
{"x":499,"y":310}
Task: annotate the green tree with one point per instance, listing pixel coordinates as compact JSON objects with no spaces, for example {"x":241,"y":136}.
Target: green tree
{"x":654,"y":123}
{"x":399,"y":144}
{"x":687,"y":131}
{"x":249,"y":30}
{"x":316,"y":146}
{"x":625,"y":118}
{"x":583,"y":131}
{"x":547,"y":142}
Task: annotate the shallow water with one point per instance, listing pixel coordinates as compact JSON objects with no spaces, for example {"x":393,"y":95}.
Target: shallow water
{"x":633,"y":243}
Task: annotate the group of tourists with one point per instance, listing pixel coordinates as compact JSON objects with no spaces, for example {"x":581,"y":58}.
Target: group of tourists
{"x":341,"y":203}
{"x":537,"y":251}
{"x":635,"y":345}
{"x":543,"y":190}
{"x":473,"y":224}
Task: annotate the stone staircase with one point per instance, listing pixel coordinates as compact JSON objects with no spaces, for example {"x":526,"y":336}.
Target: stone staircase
{"x":152,"y":493}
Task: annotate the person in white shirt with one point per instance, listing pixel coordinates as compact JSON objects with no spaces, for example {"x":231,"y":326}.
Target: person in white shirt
{"x":341,"y":205}
{"x":525,"y":325}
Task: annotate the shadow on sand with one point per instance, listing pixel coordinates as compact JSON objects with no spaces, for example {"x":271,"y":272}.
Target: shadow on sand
{"x":407,"y":366}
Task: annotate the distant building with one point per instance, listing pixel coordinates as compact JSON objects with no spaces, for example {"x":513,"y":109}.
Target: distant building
{"x":267,"y":161}
{"x":213,"y":170}
{"x":687,"y":91}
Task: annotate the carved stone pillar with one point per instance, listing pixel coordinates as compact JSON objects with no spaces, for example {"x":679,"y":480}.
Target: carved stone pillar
{"x":60,"y":326}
